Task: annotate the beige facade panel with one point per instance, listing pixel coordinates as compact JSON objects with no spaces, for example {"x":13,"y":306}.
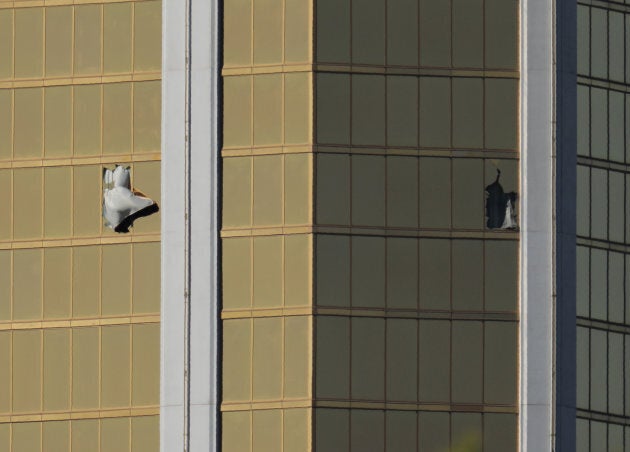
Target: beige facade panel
{"x":28,"y":118}
{"x":82,"y":282}
{"x":298,"y":31}
{"x":5,"y":436}
{"x":6,"y":188}
{"x":237,"y":192}
{"x":57,"y":370}
{"x":6,"y":119}
{"x":118,"y":118}
{"x":264,"y":191}
{"x":58,"y":121}
{"x":6,"y":46}
{"x":287,"y":429}
{"x":86,"y":281}
{"x":80,"y":121}
{"x":28,"y":42}
{"x":58,"y":202}
{"x":267,"y":272}
{"x":26,"y":372}
{"x":298,"y":170}
{"x":237,"y":431}
{"x":267,"y":429}
{"x":56,"y":435}
{"x":237,"y":352}
{"x":145,"y":365}
{"x":85,"y":368}
{"x":147,"y":36}
{"x":237,"y":33}
{"x":59,"y":38}
{"x":145,"y":433}
{"x":27,"y":203}
{"x":267,"y":110}
{"x":80,"y":40}
{"x":237,"y":112}
{"x":117,"y":36}
{"x":64,"y":370}
{"x":85,"y":434}
{"x":147,"y":116}
{"x":145,"y":271}
{"x":6,"y":349}
{"x":115,"y":434}
{"x":267,"y":276}
{"x":267,"y":190}
{"x":115,"y":366}
{"x":116,"y":280}
{"x":6,"y":288}
{"x":88,"y":41}
{"x":26,"y":437}
{"x":87,"y":120}
{"x":268,"y":360}
{"x":27,"y":294}
{"x":87,"y":190}
{"x":267,"y":33}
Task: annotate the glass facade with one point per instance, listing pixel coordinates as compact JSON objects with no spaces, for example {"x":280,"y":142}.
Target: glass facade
{"x":79,"y":304}
{"x":603,"y":334}
{"x":366,"y":304}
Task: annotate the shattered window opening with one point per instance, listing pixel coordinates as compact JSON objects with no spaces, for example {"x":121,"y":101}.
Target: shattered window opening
{"x":500,"y":206}
{"x":122,"y":205}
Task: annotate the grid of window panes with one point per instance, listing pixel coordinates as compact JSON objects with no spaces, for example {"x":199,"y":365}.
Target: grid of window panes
{"x":416,"y":108}
{"x":603,"y":265}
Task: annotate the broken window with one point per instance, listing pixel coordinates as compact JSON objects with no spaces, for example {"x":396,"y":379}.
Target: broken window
{"x":500,"y":206}
{"x":122,"y":205}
